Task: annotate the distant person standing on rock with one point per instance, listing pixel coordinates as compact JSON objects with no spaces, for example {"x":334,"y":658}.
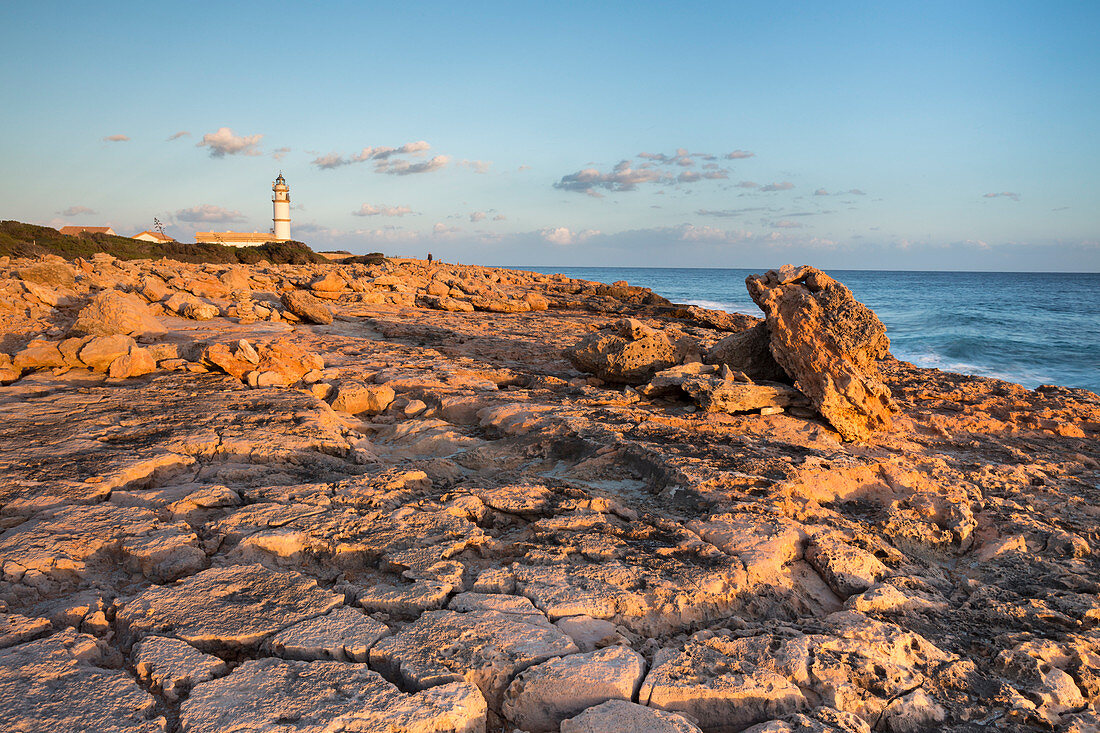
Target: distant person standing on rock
{"x":429,"y":257}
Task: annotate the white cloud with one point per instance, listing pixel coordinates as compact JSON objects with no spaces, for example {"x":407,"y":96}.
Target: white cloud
{"x":739,"y":154}
{"x":728,"y":213}
{"x":208,"y":213}
{"x":401,"y":167}
{"x":477,"y":216}
{"x":622,"y":178}
{"x":116,"y":139}
{"x":77,"y":211}
{"x":692,"y":176}
{"x":478,"y":166}
{"x":1005,"y":194}
{"x":784,"y":186}
{"x":279,"y":153}
{"x":383,"y":153}
{"x":224,"y":142}
{"x":382,"y":210}
{"x":786,"y":224}
{"x":748,"y":184}
{"x":327,"y":162}
{"x":564,"y":235}
{"x":178,"y":135}
{"x":857,"y":192}
{"x":442,"y":230}
{"x":500,"y":217}
{"x":692,"y":233}
{"x":821,"y":192}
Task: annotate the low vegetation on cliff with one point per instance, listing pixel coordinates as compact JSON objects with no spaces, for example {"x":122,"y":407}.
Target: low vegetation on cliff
{"x":29,"y":240}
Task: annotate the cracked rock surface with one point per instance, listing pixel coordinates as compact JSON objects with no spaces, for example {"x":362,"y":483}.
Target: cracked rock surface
{"x":489,"y":500}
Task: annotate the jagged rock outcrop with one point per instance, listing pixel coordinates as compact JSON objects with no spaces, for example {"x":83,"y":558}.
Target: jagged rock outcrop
{"x":630,"y":353}
{"x":828,"y":342}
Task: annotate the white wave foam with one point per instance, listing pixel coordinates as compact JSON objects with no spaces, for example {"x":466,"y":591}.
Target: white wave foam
{"x":716,"y":305}
{"x":932,"y":360}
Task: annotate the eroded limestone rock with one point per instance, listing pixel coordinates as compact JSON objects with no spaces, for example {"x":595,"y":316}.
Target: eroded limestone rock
{"x":344,"y":635}
{"x":306,"y":307}
{"x":828,"y":342}
{"x":319,"y":697}
{"x":544,"y":695}
{"x":630,"y":353}
{"x":173,"y":666}
{"x":621,"y":716}
{"x":55,"y":684}
{"x":225,"y":608}
{"x":483,"y":647}
{"x":115,"y":312}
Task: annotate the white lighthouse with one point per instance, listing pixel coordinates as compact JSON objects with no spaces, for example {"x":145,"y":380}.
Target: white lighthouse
{"x":281,"y":204}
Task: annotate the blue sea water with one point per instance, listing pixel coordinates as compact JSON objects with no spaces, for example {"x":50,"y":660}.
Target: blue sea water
{"x":1029,"y":328}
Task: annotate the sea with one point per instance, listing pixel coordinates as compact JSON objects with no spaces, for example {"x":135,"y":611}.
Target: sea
{"x":1031,"y":328}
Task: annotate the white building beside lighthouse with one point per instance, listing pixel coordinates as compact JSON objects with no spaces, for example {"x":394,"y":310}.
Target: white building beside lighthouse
{"x":280,"y":230}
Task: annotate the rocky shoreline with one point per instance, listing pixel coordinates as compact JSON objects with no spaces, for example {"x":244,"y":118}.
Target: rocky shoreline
{"x":426,"y":497}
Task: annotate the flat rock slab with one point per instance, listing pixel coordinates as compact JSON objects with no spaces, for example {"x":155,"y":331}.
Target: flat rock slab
{"x":233,"y":607}
{"x":321,"y":697}
{"x":345,"y":635}
{"x":63,"y":544}
{"x":407,"y":600}
{"x":15,"y":628}
{"x":620,"y":716}
{"x":719,"y":688}
{"x":52,"y":685}
{"x":483,"y":647}
{"x":544,"y":695}
{"x":174,"y":666}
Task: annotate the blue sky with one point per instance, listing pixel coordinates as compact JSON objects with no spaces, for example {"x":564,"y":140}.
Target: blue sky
{"x":959,"y":135}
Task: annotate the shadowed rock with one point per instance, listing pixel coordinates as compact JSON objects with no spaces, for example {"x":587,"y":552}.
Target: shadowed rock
{"x":749,"y":352}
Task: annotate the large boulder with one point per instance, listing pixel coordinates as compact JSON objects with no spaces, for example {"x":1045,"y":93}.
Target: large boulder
{"x":630,"y":353}
{"x":829,"y":343}
{"x":115,"y":312}
{"x":306,"y":307}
